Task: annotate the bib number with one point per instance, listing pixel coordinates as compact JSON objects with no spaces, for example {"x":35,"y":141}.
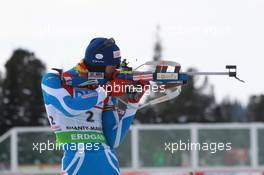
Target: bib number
{"x":89,"y":116}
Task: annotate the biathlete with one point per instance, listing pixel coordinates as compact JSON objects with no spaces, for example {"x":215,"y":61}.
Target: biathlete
{"x":88,"y":117}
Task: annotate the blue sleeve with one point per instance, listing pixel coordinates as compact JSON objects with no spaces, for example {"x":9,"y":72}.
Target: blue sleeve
{"x":54,"y":94}
{"x":115,"y":127}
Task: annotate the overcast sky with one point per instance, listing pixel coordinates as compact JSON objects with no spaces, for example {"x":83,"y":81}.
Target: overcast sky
{"x":206,"y":34}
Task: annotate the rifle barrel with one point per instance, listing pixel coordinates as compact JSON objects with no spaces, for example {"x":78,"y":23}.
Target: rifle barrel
{"x":205,"y":73}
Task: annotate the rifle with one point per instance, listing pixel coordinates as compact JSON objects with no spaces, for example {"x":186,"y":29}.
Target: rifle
{"x":173,"y":80}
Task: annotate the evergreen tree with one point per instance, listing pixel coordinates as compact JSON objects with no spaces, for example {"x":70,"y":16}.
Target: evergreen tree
{"x":1,"y":94}
{"x":193,"y":104}
{"x":158,"y":46}
{"x":230,"y":111}
{"x":23,"y":105}
{"x":255,"y":108}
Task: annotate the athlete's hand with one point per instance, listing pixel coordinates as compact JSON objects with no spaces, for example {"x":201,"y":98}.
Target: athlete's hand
{"x":136,"y":96}
{"x":102,"y":94}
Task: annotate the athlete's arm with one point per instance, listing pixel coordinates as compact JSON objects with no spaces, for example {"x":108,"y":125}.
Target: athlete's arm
{"x":59,"y":97}
{"x":115,"y":127}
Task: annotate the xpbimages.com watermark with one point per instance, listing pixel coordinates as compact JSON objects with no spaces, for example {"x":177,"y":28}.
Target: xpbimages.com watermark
{"x":212,"y":147}
{"x":128,"y":88}
{"x":51,"y":146}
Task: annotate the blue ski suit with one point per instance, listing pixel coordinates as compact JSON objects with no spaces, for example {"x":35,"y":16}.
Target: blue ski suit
{"x":88,"y":126}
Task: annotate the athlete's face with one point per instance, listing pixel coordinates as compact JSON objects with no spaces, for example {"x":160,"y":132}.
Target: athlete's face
{"x":109,"y":71}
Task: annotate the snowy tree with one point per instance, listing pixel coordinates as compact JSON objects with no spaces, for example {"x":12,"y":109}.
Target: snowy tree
{"x":22,"y":97}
